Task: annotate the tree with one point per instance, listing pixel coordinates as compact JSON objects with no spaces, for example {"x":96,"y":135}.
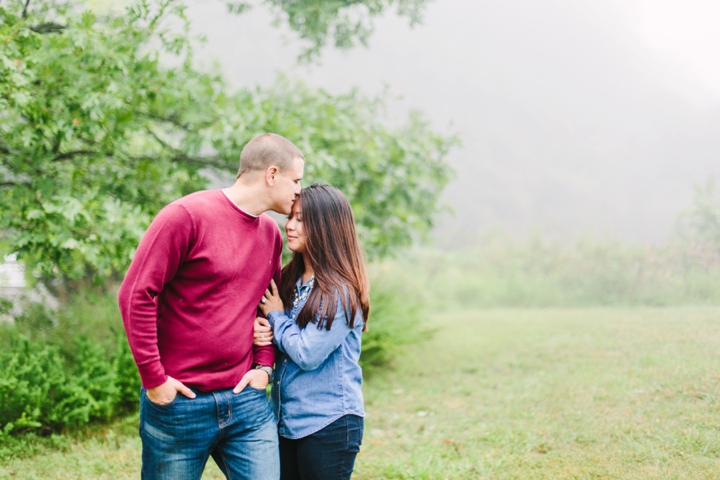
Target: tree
{"x":699,"y":225}
{"x":98,"y":130}
{"x":347,"y":21}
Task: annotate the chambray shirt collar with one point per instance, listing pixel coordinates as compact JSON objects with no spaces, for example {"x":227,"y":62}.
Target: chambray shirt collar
{"x":300,"y":288}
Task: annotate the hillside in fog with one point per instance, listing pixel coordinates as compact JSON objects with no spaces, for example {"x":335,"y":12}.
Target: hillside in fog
{"x":568,"y":120}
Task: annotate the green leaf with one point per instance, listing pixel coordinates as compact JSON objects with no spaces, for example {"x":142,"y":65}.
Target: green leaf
{"x":97,"y":134}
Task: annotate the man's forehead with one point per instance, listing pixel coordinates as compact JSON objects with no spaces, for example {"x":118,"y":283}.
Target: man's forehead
{"x":296,"y":163}
{"x":299,"y":163}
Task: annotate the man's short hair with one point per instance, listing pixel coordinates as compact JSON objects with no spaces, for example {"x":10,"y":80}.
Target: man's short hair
{"x":266,"y":150}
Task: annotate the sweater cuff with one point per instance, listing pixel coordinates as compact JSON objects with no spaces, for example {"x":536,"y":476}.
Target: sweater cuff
{"x":264,"y":356}
{"x":152,"y":375}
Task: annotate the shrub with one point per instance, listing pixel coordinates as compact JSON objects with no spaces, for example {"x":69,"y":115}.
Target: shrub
{"x":397,"y":319}
{"x":63,"y":370}
{"x":40,"y":388}
{"x":31,"y":380}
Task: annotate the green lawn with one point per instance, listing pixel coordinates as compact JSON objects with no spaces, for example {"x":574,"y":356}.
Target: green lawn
{"x":517,"y":394}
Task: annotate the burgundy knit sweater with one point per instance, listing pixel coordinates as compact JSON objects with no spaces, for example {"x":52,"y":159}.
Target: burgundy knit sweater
{"x":190,"y":296}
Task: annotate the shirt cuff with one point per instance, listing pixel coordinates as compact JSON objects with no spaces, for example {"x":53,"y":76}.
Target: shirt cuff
{"x":274,"y":316}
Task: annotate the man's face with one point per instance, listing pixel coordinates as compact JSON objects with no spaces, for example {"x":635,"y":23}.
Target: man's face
{"x":286,"y":187}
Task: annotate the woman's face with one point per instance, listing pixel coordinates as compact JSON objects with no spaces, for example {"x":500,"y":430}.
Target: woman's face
{"x":294,"y":229}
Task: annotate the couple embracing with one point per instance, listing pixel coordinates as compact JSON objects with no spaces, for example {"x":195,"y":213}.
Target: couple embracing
{"x":206,"y":266}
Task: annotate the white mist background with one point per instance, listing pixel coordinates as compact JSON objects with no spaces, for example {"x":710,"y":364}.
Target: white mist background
{"x":574,"y":115}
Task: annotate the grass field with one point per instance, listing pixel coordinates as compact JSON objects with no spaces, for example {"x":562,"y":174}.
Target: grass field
{"x":514,"y":394}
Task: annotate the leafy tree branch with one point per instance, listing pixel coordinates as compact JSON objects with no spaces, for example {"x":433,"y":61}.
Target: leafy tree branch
{"x":342,"y":23}
{"x":97,"y":135}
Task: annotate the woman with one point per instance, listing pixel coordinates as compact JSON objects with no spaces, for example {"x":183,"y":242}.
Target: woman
{"x":317,"y":319}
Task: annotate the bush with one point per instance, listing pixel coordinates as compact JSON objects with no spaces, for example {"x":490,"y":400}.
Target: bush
{"x":64,"y":371}
{"x":397,"y":319}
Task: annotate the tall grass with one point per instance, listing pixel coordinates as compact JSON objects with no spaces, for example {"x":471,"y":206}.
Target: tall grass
{"x":499,"y":271}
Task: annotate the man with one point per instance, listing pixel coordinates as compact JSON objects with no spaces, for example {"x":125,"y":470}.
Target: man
{"x":188,"y":303}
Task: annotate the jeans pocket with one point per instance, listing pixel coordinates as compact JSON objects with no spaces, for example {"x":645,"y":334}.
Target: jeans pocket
{"x":255,"y":407}
{"x":162,"y":406}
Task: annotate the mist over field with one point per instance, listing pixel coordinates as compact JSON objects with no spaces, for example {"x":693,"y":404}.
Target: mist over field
{"x":570,"y":118}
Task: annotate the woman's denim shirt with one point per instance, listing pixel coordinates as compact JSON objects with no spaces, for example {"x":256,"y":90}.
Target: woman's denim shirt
{"x":317,"y":376}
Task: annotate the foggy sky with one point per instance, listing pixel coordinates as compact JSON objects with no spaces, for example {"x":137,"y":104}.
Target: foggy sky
{"x":569,"y":120}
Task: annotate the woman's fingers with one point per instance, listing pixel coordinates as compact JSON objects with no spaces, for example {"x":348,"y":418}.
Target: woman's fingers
{"x":261,"y":325}
{"x":262,"y":339}
{"x":262,"y":333}
{"x":273,"y":287}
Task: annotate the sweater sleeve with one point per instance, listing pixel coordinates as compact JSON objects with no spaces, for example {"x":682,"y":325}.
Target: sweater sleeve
{"x":266,"y":355}
{"x":309,"y":346}
{"x":161,"y":251}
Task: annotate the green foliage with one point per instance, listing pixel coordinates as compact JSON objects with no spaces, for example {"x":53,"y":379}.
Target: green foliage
{"x":52,"y":378}
{"x":500,"y":271}
{"x":397,"y":319}
{"x":127,"y":378}
{"x":36,"y":390}
{"x":346,"y":21}
{"x":81,"y":169}
{"x":97,"y":134}
{"x":393,"y":177}
{"x":700,"y":223}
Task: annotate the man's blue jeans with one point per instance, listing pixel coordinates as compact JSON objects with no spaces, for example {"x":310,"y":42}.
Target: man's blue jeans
{"x":239,"y":431}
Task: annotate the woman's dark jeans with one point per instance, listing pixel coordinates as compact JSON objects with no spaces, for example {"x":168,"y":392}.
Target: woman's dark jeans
{"x":325,"y":455}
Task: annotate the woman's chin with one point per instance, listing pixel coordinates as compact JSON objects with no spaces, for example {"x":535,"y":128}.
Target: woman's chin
{"x":295,"y":248}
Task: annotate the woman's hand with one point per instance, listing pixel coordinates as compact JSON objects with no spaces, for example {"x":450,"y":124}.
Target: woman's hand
{"x":263,"y":333}
{"x":271,"y":300}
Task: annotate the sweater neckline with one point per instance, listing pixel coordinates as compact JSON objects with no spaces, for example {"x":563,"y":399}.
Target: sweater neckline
{"x":245,"y":215}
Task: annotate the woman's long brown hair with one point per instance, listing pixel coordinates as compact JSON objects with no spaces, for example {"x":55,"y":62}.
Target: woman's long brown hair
{"x":333,"y":250}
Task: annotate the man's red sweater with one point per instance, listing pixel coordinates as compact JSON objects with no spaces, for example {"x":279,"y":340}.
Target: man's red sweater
{"x":190,"y":296}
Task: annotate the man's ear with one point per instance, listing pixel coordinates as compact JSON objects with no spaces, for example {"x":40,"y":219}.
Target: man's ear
{"x":270,"y":175}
